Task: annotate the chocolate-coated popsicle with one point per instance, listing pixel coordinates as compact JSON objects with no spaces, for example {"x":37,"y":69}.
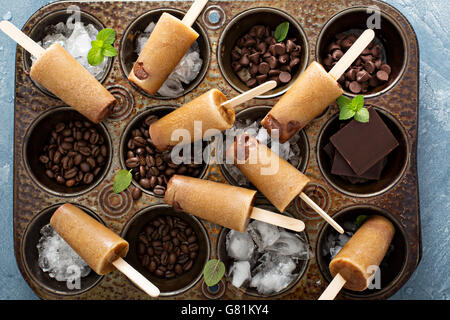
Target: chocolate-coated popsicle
{"x":226,"y":205}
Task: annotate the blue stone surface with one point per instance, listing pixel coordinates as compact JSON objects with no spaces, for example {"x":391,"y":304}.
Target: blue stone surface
{"x":430,"y":19}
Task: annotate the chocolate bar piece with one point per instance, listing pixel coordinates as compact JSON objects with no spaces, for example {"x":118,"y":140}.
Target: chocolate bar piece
{"x":362,"y":145}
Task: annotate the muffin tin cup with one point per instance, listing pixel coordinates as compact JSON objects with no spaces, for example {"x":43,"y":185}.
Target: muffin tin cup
{"x":128,"y":56}
{"x":40,"y":30}
{"x":239,"y":25}
{"x":397,"y":160}
{"x":38,"y":134}
{"x":398,"y":106}
{"x":160,"y":111}
{"x":302,"y":265}
{"x":391,"y":268}
{"x":258,"y":113}
{"x":390,"y":35}
{"x":30,"y":256}
{"x":178,"y":284}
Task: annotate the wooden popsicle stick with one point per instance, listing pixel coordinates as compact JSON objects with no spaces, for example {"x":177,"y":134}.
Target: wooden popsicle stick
{"x":137,"y":278}
{"x":21,"y":38}
{"x":333,"y":288}
{"x":322,"y":213}
{"x":277,"y":219}
{"x":250,"y":94}
{"x":194,"y":12}
{"x":352,"y":54}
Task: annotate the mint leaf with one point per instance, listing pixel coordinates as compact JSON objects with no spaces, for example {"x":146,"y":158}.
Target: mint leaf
{"x":360,"y":220}
{"x":213,"y":272}
{"x":107,"y":35}
{"x":358,"y":102}
{"x":95,"y":56}
{"x":281,"y":31}
{"x":97,"y":44}
{"x":362,"y":115}
{"x":122,"y":180}
{"x":343,"y":101}
{"x":109,"y":50}
{"x":346,"y":113}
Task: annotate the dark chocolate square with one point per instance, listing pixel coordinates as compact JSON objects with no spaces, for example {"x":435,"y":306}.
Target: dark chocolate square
{"x":341,"y":168}
{"x":362,"y":145}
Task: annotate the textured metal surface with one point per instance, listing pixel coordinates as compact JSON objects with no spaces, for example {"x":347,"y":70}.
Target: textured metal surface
{"x":401,"y":101}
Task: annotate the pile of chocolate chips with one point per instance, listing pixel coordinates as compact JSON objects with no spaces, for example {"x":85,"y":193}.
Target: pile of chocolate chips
{"x":366,"y":73}
{"x":257,"y":57}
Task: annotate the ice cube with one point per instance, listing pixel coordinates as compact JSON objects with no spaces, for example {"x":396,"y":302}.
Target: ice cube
{"x":172,"y":88}
{"x":150,"y":27}
{"x":263,"y":136}
{"x":240,"y":272}
{"x":57,"y":258}
{"x":263,"y":234}
{"x":240,"y":245}
{"x":189,"y":67}
{"x":79,"y":42}
{"x":334,"y":251}
{"x":290,"y":244}
{"x":273,"y":274}
{"x":237,"y":175}
{"x":92,"y":31}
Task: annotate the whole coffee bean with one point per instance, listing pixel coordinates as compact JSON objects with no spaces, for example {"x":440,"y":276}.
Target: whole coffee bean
{"x":159,"y":190}
{"x":188,"y":265}
{"x":145,"y":261}
{"x":192,"y":239}
{"x":152,"y":266}
{"x":178,"y":269}
{"x":141,"y":249}
{"x":132,"y":162}
{"x":88,"y":178}
{"x":193,"y":247}
{"x":85,"y":167}
{"x":50,"y":174}
{"x":136,"y":193}
{"x":159,"y":272}
{"x":70,"y":182}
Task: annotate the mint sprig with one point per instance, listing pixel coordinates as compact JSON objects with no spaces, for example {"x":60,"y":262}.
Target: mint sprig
{"x":281,"y":31}
{"x":102,"y":47}
{"x":353,"y":108}
{"x":122,"y":180}
{"x":213,"y":272}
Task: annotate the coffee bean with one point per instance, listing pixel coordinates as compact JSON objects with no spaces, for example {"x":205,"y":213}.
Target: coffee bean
{"x":188,"y":265}
{"x":152,"y":266}
{"x":136,"y":193}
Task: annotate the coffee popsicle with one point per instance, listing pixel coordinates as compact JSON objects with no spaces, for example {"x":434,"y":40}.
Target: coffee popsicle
{"x":65,"y":77}
{"x":166,"y":46}
{"x":352,"y":266}
{"x":100,"y":247}
{"x":277,"y":179}
{"x":311,"y":93}
{"x":223,"y":204}
{"x":211,"y":110}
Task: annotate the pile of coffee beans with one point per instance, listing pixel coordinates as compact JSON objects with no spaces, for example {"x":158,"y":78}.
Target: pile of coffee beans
{"x":257,"y":57}
{"x":75,"y":153}
{"x":152,"y":169}
{"x":167,"y":247}
{"x":366,"y":73}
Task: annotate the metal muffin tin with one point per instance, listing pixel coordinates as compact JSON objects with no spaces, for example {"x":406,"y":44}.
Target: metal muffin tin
{"x":399,"y":101}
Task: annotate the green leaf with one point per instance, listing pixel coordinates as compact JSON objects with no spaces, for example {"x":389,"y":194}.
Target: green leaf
{"x":343,"y":101}
{"x":107,"y":35}
{"x":360,"y":220}
{"x":346,"y":113}
{"x":95,"y":56}
{"x":362,"y":115}
{"x":213,"y":272}
{"x":281,"y":31}
{"x":122,"y":180}
{"x":97,"y":44}
{"x":358,"y":102}
{"x":109,"y":50}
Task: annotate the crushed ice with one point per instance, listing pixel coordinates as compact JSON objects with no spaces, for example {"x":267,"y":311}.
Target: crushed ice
{"x":185,"y":72}
{"x":76,"y":39}
{"x":271,"y":267}
{"x":57,"y":258}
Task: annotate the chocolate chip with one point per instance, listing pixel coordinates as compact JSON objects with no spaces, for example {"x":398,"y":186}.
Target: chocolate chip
{"x":382,"y":75}
{"x":139,"y":71}
{"x":285,"y":77}
{"x":355,"y":87}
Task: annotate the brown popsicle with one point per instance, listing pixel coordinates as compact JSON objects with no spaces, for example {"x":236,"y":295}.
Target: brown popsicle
{"x":311,"y":93}
{"x":65,"y":77}
{"x":101,"y":248}
{"x":365,"y":249}
{"x":226,"y":205}
{"x":277,"y":179}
